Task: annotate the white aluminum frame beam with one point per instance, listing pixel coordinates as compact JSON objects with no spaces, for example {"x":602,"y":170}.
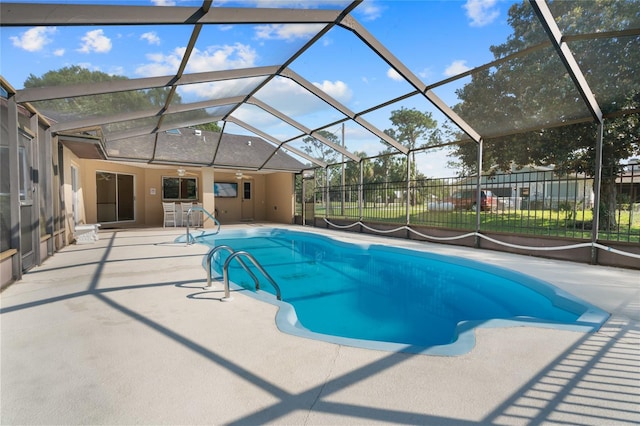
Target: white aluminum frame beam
{"x":46,"y":14}
{"x":550,"y":26}
{"x":61,"y":92}
{"x":279,"y":144}
{"x":377,"y":47}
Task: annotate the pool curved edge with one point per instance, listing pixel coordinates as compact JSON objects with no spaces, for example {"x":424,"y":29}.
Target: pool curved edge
{"x":287,"y":322}
{"x":591,"y":319}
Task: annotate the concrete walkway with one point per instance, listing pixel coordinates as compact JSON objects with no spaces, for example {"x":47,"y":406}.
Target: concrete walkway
{"x":122,"y":332}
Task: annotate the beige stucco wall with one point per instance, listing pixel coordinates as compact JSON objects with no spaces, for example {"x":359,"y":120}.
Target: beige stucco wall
{"x":272,"y":198}
{"x":272,"y":194}
{"x":88,"y":179}
{"x":233,"y":210}
{"x":279,"y":190}
{"x":70,"y":159}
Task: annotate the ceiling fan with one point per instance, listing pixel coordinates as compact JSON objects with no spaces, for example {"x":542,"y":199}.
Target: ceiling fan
{"x":183,"y":172}
{"x":240,"y":175}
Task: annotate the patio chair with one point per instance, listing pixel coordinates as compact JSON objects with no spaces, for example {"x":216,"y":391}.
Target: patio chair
{"x":196,"y":215}
{"x":185,"y":210}
{"x":169,"y":210}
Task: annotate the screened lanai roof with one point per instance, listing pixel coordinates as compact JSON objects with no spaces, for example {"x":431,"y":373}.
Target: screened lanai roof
{"x":293,"y":72}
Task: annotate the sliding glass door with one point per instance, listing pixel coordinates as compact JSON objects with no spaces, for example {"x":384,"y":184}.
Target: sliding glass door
{"x":115,"y":197}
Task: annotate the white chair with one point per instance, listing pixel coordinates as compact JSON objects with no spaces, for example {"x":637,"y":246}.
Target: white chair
{"x":185,"y":210}
{"x":169,"y":210}
{"x":196,"y":215}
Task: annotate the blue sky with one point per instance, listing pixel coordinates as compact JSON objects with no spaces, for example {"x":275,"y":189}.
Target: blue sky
{"x":435,"y":39}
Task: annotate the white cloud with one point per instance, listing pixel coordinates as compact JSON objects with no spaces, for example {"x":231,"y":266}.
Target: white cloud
{"x":290,"y":98}
{"x":370,"y":10}
{"x":233,"y":56}
{"x":34,"y":39}
{"x":151,"y":37}
{"x":425,"y":74}
{"x":161,"y":64}
{"x":95,"y":41}
{"x":336,"y":89}
{"x":456,"y":68}
{"x":89,"y":66}
{"x":117,"y":70}
{"x":393,"y":75}
{"x":163,"y":2}
{"x":287,"y":31}
{"x":58,"y":52}
{"x":481,"y":12}
{"x":213,"y":59}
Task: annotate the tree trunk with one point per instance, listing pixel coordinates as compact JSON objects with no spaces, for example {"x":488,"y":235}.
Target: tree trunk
{"x":608,"y":204}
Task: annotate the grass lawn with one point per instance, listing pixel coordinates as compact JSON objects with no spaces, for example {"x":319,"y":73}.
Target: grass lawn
{"x":534,"y":222}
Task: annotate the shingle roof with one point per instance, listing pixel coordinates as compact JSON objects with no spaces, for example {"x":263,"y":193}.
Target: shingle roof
{"x":201,"y":147}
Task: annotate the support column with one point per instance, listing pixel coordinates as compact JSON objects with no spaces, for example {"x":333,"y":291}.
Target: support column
{"x":478,"y":192}
{"x":597,"y":185}
{"x":14,"y":187}
{"x":36,"y":177}
{"x":48,"y":192}
{"x":360,"y":191}
{"x":326,"y":189}
{"x":208,"y":197}
{"x":408,"y":201}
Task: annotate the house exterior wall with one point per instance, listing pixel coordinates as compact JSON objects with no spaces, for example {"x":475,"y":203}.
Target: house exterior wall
{"x":272,"y":193}
{"x":280,"y":193}
{"x":26,"y":246}
{"x":89,"y":189}
{"x":70,"y":159}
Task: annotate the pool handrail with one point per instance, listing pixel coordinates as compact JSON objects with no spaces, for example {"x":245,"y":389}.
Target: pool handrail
{"x":216,"y":249}
{"x":225,"y":273}
{"x":189,"y":237}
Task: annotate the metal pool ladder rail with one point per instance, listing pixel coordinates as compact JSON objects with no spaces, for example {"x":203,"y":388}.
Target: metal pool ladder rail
{"x":189,"y":238}
{"x":225,"y":270}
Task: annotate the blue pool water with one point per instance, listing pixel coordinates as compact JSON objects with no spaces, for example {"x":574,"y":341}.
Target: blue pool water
{"x":393,"y":298}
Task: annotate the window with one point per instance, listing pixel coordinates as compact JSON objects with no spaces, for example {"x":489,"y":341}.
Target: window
{"x":247,"y":191}
{"x":179,"y":188}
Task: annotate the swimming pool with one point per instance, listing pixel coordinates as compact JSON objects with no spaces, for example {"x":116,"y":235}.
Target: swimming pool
{"x":392,"y":298}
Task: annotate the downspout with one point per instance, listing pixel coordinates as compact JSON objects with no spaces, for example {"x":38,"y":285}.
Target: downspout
{"x":597,"y":185}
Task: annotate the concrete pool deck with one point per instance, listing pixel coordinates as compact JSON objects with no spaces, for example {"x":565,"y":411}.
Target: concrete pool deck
{"x":122,"y":332}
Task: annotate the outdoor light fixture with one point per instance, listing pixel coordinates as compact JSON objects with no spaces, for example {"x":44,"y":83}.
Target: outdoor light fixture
{"x":181,"y":172}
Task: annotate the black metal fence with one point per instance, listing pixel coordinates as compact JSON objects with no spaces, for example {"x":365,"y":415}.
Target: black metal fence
{"x":538,"y":202}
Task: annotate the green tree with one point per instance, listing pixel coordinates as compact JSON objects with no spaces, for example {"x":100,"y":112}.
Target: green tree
{"x":210,"y":127}
{"x":319,"y":150}
{"x":105,"y":104}
{"x":322,"y":152}
{"x":411,"y":127}
{"x":533,"y":91}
